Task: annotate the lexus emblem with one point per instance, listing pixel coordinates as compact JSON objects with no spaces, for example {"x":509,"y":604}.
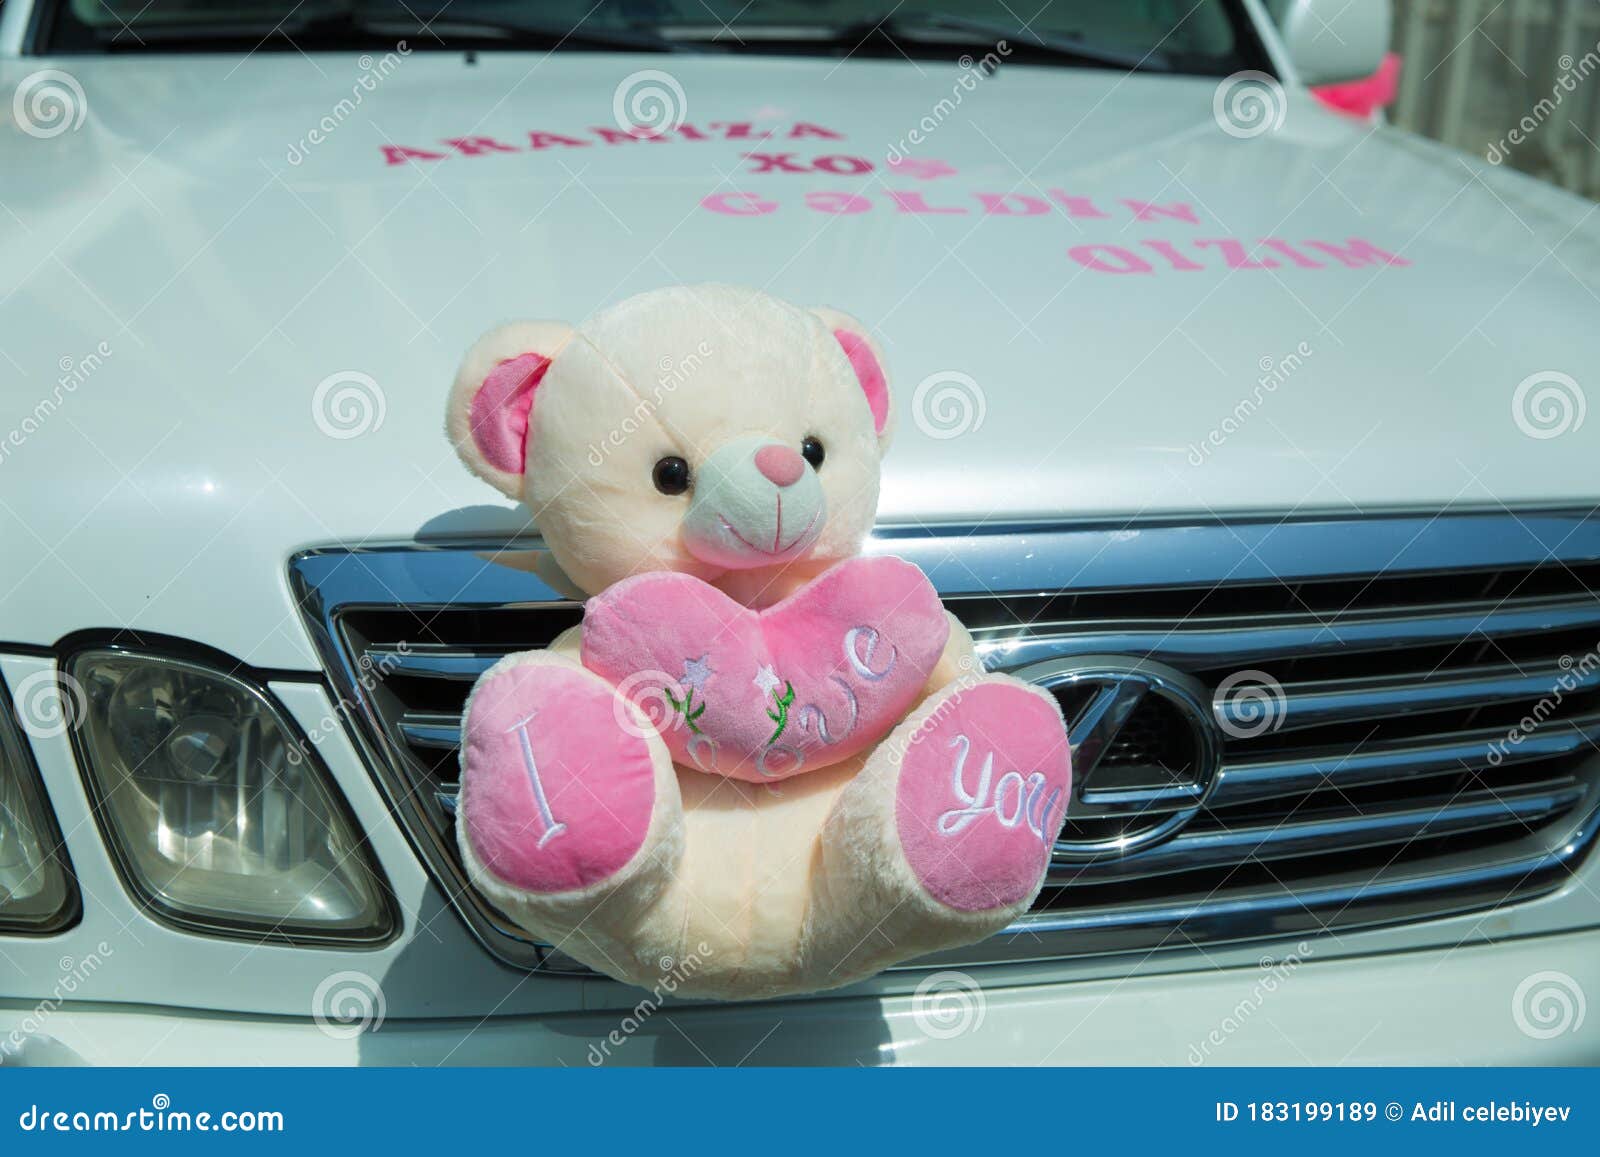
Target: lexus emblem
{"x":1145,"y":751}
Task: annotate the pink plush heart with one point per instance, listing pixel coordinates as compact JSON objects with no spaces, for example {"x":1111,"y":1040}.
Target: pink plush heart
{"x":763,"y":695}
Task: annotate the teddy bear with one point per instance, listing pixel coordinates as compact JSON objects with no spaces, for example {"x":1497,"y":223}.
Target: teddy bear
{"x":762,"y":750}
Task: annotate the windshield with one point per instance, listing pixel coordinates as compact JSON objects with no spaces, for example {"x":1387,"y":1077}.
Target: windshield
{"x":1199,"y":36}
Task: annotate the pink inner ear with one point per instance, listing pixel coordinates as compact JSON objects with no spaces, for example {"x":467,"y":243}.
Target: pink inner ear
{"x":500,"y":411}
{"x":869,"y":373}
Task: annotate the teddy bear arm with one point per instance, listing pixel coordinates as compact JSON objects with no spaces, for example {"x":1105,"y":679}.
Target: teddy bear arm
{"x":960,"y":657}
{"x":569,"y":643}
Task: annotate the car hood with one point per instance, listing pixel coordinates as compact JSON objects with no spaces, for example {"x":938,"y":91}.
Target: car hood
{"x":235,"y":292}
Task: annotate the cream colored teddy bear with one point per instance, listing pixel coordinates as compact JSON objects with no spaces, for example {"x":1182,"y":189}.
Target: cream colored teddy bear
{"x":761,"y":750}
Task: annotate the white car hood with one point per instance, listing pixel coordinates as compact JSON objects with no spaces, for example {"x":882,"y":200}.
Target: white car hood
{"x":270,"y":312}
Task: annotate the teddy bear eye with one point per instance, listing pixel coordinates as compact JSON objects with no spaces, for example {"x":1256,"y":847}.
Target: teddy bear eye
{"x":811,"y":450}
{"x":671,"y":475}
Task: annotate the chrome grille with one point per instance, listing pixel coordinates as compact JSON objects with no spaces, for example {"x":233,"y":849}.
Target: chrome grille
{"x":1407,"y":651}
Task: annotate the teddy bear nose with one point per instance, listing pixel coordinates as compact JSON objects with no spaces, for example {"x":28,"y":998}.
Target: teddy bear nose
{"x":781,"y":465}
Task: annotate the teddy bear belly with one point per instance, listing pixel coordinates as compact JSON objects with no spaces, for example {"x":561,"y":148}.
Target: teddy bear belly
{"x":746,"y":874}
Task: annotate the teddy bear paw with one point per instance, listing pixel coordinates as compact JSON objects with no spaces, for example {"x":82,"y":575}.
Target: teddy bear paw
{"x":982,"y":793}
{"x":559,"y":779}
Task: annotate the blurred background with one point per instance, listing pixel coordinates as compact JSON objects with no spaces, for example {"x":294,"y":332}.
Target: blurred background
{"x":1510,"y":80}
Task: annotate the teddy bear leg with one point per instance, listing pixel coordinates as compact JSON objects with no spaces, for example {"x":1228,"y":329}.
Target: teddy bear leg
{"x":570,"y":815}
{"x":944,"y":836}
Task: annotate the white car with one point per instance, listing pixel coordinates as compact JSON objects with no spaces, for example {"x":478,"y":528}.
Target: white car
{"x":1254,"y":429}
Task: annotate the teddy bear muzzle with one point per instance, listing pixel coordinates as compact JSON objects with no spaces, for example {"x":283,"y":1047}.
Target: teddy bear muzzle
{"x":756,"y":503}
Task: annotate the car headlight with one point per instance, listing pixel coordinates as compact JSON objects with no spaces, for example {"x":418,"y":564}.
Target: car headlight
{"x":36,"y":889}
{"x":220,"y":817}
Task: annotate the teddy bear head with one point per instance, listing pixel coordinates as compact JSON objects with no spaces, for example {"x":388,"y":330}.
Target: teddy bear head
{"x":709,"y":430}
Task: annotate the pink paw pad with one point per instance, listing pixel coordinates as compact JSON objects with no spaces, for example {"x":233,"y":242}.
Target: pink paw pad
{"x":557,"y":794}
{"x":983,"y":791}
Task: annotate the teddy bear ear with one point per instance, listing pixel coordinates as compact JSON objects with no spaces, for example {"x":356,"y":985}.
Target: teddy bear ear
{"x":490,"y":402}
{"x":866,"y":359}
